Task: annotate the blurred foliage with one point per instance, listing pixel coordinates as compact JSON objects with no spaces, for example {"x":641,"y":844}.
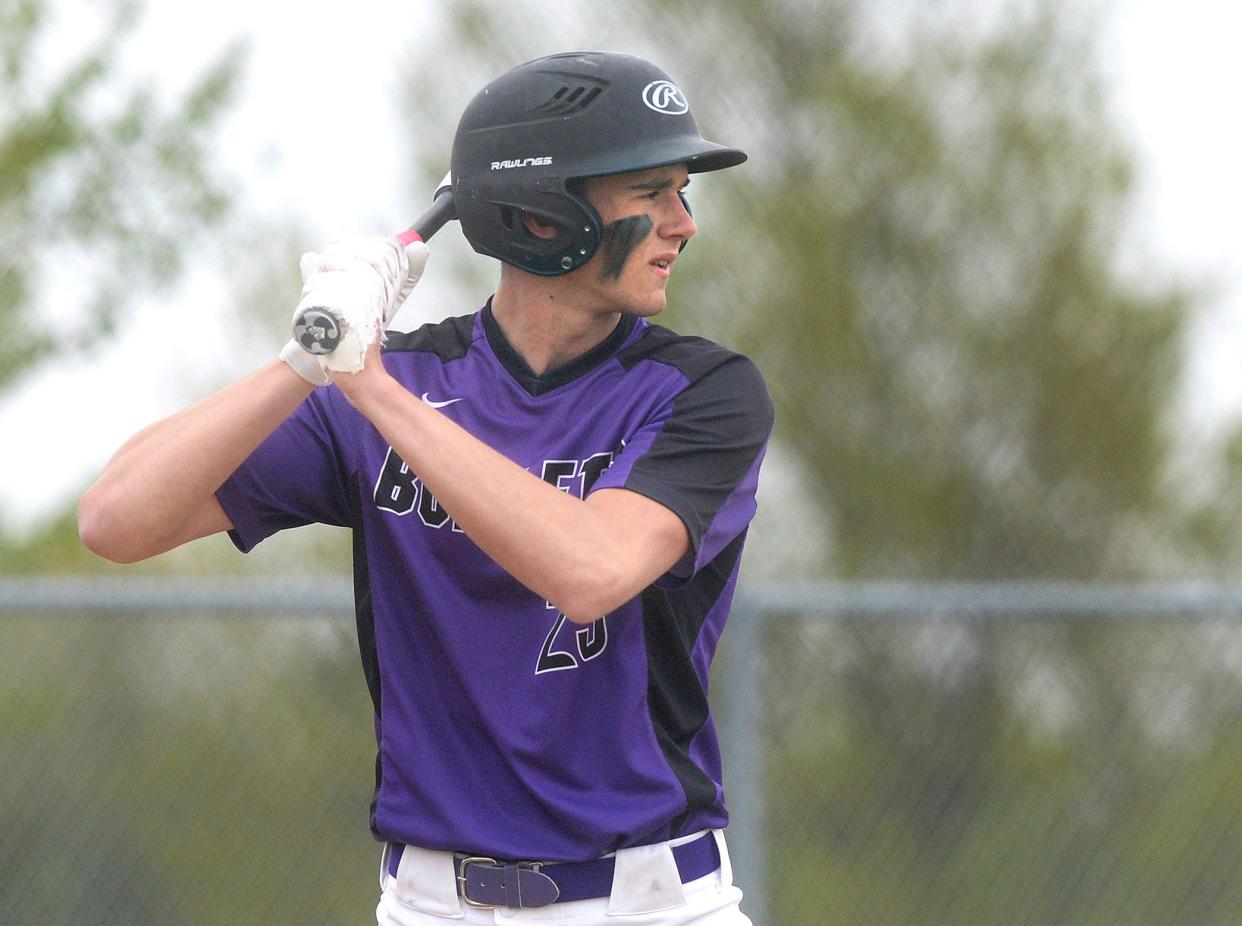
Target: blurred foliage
{"x":195,"y":770}
{"x":102,"y":179}
{"x":974,"y":388}
{"x":1043,"y":796}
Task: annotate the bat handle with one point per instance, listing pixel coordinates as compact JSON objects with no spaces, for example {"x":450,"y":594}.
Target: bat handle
{"x":318,"y":329}
{"x":431,"y":221}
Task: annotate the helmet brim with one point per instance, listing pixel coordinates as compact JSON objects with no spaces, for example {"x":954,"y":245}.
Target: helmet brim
{"x":718,"y":159}
{"x":699,"y":156}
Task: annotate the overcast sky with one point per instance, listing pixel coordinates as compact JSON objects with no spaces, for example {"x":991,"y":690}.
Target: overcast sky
{"x":1175,"y":67}
{"x":1178,"y":71}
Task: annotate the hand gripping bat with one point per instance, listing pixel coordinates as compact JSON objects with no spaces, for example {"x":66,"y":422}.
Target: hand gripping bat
{"x":318,"y":330}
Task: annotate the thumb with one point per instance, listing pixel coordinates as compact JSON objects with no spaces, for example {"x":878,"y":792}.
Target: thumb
{"x":416,"y":253}
{"x":308,"y":263}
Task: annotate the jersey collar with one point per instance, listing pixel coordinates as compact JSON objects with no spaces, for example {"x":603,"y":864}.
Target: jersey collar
{"x":537,"y":384}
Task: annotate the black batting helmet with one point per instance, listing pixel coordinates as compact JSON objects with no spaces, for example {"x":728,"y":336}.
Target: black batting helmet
{"x":530,"y":133}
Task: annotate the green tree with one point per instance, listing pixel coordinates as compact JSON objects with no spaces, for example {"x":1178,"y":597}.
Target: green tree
{"x":104,"y":184}
{"x":975,"y":388}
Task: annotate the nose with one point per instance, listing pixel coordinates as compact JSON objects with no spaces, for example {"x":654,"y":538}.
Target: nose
{"x":679,"y":222}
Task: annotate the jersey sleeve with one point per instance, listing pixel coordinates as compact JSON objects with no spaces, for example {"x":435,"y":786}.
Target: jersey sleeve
{"x":700,"y":458}
{"x":295,"y":477}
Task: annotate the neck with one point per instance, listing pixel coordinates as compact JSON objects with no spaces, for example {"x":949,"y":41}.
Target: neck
{"x":544,"y":325}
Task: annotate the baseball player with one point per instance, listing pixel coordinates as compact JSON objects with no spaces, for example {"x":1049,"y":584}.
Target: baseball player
{"x":548,"y":499}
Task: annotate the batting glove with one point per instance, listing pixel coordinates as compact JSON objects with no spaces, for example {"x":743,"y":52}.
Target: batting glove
{"x":361,"y":284}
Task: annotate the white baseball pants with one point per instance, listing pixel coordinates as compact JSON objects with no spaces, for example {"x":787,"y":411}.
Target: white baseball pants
{"x":424,"y":893}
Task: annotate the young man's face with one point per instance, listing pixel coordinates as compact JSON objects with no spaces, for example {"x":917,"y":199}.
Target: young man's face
{"x":645,"y":224}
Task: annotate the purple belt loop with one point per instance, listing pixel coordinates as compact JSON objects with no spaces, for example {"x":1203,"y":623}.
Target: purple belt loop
{"x":395,"y":849}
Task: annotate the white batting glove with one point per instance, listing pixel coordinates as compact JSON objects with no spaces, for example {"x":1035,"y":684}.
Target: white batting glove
{"x":361,"y":283}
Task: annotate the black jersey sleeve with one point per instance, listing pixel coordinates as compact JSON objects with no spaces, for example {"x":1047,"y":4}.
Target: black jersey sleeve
{"x":701,"y":457}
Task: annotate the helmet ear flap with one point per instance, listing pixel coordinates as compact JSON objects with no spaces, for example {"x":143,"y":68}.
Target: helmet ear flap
{"x":583,"y":239}
{"x":578,"y":234}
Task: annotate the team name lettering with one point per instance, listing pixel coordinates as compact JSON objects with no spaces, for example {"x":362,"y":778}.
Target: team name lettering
{"x":400,"y":492}
{"x":576,"y":476}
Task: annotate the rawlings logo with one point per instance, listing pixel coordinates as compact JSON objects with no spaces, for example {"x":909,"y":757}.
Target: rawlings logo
{"x":522,"y":162}
{"x":664,"y":97}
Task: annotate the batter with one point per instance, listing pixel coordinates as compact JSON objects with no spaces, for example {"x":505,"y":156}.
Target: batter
{"x":548,"y":497}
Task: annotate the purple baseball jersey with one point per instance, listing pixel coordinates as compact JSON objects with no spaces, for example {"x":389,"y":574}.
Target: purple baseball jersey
{"x":504,"y":729}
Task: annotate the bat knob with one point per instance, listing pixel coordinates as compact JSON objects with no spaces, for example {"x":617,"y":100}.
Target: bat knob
{"x":317,"y":331}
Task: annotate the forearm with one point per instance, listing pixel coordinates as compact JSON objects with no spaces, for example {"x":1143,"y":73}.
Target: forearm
{"x":573,"y":553}
{"x":163,"y":480}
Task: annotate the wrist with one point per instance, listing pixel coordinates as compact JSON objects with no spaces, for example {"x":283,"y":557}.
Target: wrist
{"x":370,"y":390}
{"x":304,"y":364}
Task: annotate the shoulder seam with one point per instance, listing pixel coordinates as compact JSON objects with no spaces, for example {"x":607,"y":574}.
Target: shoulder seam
{"x":450,"y":338}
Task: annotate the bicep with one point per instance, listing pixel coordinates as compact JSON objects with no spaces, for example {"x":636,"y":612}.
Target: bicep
{"x":650,"y":537}
{"x":700,"y":462}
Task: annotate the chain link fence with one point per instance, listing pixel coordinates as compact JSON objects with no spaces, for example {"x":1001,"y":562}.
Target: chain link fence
{"x":1013,"y":753}
{"x":1044,"y":754}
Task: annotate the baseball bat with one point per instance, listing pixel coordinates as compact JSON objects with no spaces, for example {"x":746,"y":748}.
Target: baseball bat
{"x":317,"y":329}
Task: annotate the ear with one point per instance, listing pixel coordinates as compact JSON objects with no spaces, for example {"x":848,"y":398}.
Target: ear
{"x":541,"y":230}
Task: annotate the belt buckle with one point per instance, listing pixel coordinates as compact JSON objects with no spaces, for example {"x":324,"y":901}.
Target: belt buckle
{"x":511,"y":890}
{"x":461,"y":880}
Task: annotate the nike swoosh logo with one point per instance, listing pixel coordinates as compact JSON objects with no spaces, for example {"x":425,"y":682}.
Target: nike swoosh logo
{"x":431,"y":404}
